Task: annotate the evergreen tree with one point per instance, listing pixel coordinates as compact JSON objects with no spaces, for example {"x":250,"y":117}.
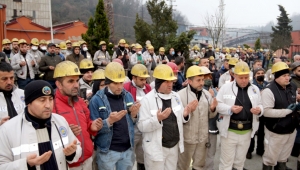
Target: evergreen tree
{"x":162,"y":29}
{"x":257,"y":44}
{"x":98,"y":28}
{"x":281,"y":36}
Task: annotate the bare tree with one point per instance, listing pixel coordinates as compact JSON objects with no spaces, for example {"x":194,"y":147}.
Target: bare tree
{"x":215,"y":25}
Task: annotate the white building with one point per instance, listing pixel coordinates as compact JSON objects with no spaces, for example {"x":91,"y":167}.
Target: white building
{"x":38,"y":10}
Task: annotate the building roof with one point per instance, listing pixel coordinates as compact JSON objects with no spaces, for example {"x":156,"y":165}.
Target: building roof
{"x":15,"y":21}
{"x":66,"y":25}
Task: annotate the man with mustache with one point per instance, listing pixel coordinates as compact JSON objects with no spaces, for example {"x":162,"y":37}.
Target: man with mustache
{"x":115,"y":141}
{"x":38,"y":139}
{"x":75,"y":111}
{"x":11,"y":97}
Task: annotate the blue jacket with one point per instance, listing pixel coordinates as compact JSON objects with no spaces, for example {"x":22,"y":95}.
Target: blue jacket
{"x":178,"y":84}
{"x":100,"y":108}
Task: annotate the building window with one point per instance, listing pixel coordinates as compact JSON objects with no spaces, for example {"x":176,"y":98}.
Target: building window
{"x":15,"y":13}
{"x":17,"y":0}
{"x":33,"y":14}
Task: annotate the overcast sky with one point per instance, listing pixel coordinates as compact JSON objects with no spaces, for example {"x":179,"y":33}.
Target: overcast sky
{"x":239,"y":13}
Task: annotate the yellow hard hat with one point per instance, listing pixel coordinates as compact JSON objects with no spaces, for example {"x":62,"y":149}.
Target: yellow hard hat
{"x":274,"y":54}
{"x":66,"y":68}
{"x":227,"y":57}
{"x":140,"y":70}
{"x":5,"y":41}
{"x":205,"y":70}
{"x":195,"y":47}
{"x":234,"y":49}
{"x":86,"y":64}
{"x":261,"y":50}
{"x":163,"y":72}
{"x":233,"y":61}
{"x":217,"y":50}
{"x":15,"y":40}
{"x":98,"y":75}
{"x":43,"y":41}
{"x":239,"y":46}
{"x":138,"y":46}
{"x":126,"y":45}
{"x":68,"y":42}
{"x":209,"y":46}
{"x":211,"y":58}
{"x":132,"y":45}
{"x":22,"y":41}
{"x":279,"y":66}
{"x":162,"y":49}
{"x":82,"y":42}
{"x":194,"y":71}
{"x":241,"y":68}
{"x":115,"y":72}
{"x":34,"y":41}
{"x":122,"y":41}
{"x":150,"y":47}
{"x":75,"y":44}
{"x":102,"y":43}
{"x":63,"y":45}
{"x":48,"y":42}
{"x":57,"y":46}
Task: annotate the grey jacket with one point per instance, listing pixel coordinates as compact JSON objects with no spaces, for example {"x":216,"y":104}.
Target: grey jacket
{"x":22,"y":70}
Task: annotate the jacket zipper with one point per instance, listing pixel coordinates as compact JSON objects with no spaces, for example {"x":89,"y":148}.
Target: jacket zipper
{"x":82,"y":139}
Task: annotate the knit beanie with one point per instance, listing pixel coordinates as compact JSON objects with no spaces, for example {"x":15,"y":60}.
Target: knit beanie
{"x":36,"y":89}
{"x":158,"y":83}
{"x":281,"y":72}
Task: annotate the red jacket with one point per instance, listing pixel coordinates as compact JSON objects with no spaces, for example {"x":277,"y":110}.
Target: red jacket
{"x":131,"y":89}
{"x":77,"y":115}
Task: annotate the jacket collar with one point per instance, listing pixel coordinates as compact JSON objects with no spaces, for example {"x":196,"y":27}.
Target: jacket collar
{"x":65,"y":99}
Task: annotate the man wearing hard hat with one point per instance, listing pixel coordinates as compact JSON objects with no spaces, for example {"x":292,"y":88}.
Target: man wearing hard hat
{"x":138,"y":88}
{"x":75,"y":111}
{"x":228,"y":76}
{"x":6,"y":50}
{"x":101,"y":57}
{"x":196,"y":137}
{"x":34,"y":51}
{"x":86,"y":82}
{"x":122,"y":54}
{"x":209,"y":52}
{"x":281,"y":118}
{"x":116,"y":107}
{"x":239,"y":105}
{"x":161,"y":119}
{"x":163,"y":59}
{"x":24,"y":65}
{"x":75,"y":57}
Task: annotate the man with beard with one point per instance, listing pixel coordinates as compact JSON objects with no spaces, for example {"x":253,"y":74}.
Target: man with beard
{"x":37,"y":55}
{"x":48,"y":64}
{"x":69,"y":48}
{"x":209,"y":52}
{"x":101,"y":57}
{"x":75,"y":111}
{"x":38,"y":139}
{"x":138,"y":88}
{"x":43,"y":46}
{"x":228,"y":76}
{"x":84,"y":50}
{"x":6,"y":50}
{"x":24,"y":65}
{"x":116,"y":107}
{"x":15,"y":47}
{"x":75,"y":57}
{"x":163,"y":59}
{"x":121,"y":53}
{"x":196,"y":137}
{"x":11,"y":97}
{"x":86,"y":82}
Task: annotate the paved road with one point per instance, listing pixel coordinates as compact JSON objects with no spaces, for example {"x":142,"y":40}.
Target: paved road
{"x":251,"y":164}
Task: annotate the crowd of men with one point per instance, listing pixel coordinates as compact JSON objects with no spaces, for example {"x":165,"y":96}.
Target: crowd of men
{"x":63,"y":108}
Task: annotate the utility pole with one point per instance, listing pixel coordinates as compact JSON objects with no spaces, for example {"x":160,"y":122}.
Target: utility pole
{"x":51,"y":21}
{"x":108,"y":6}
{"x":142,"y":9}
